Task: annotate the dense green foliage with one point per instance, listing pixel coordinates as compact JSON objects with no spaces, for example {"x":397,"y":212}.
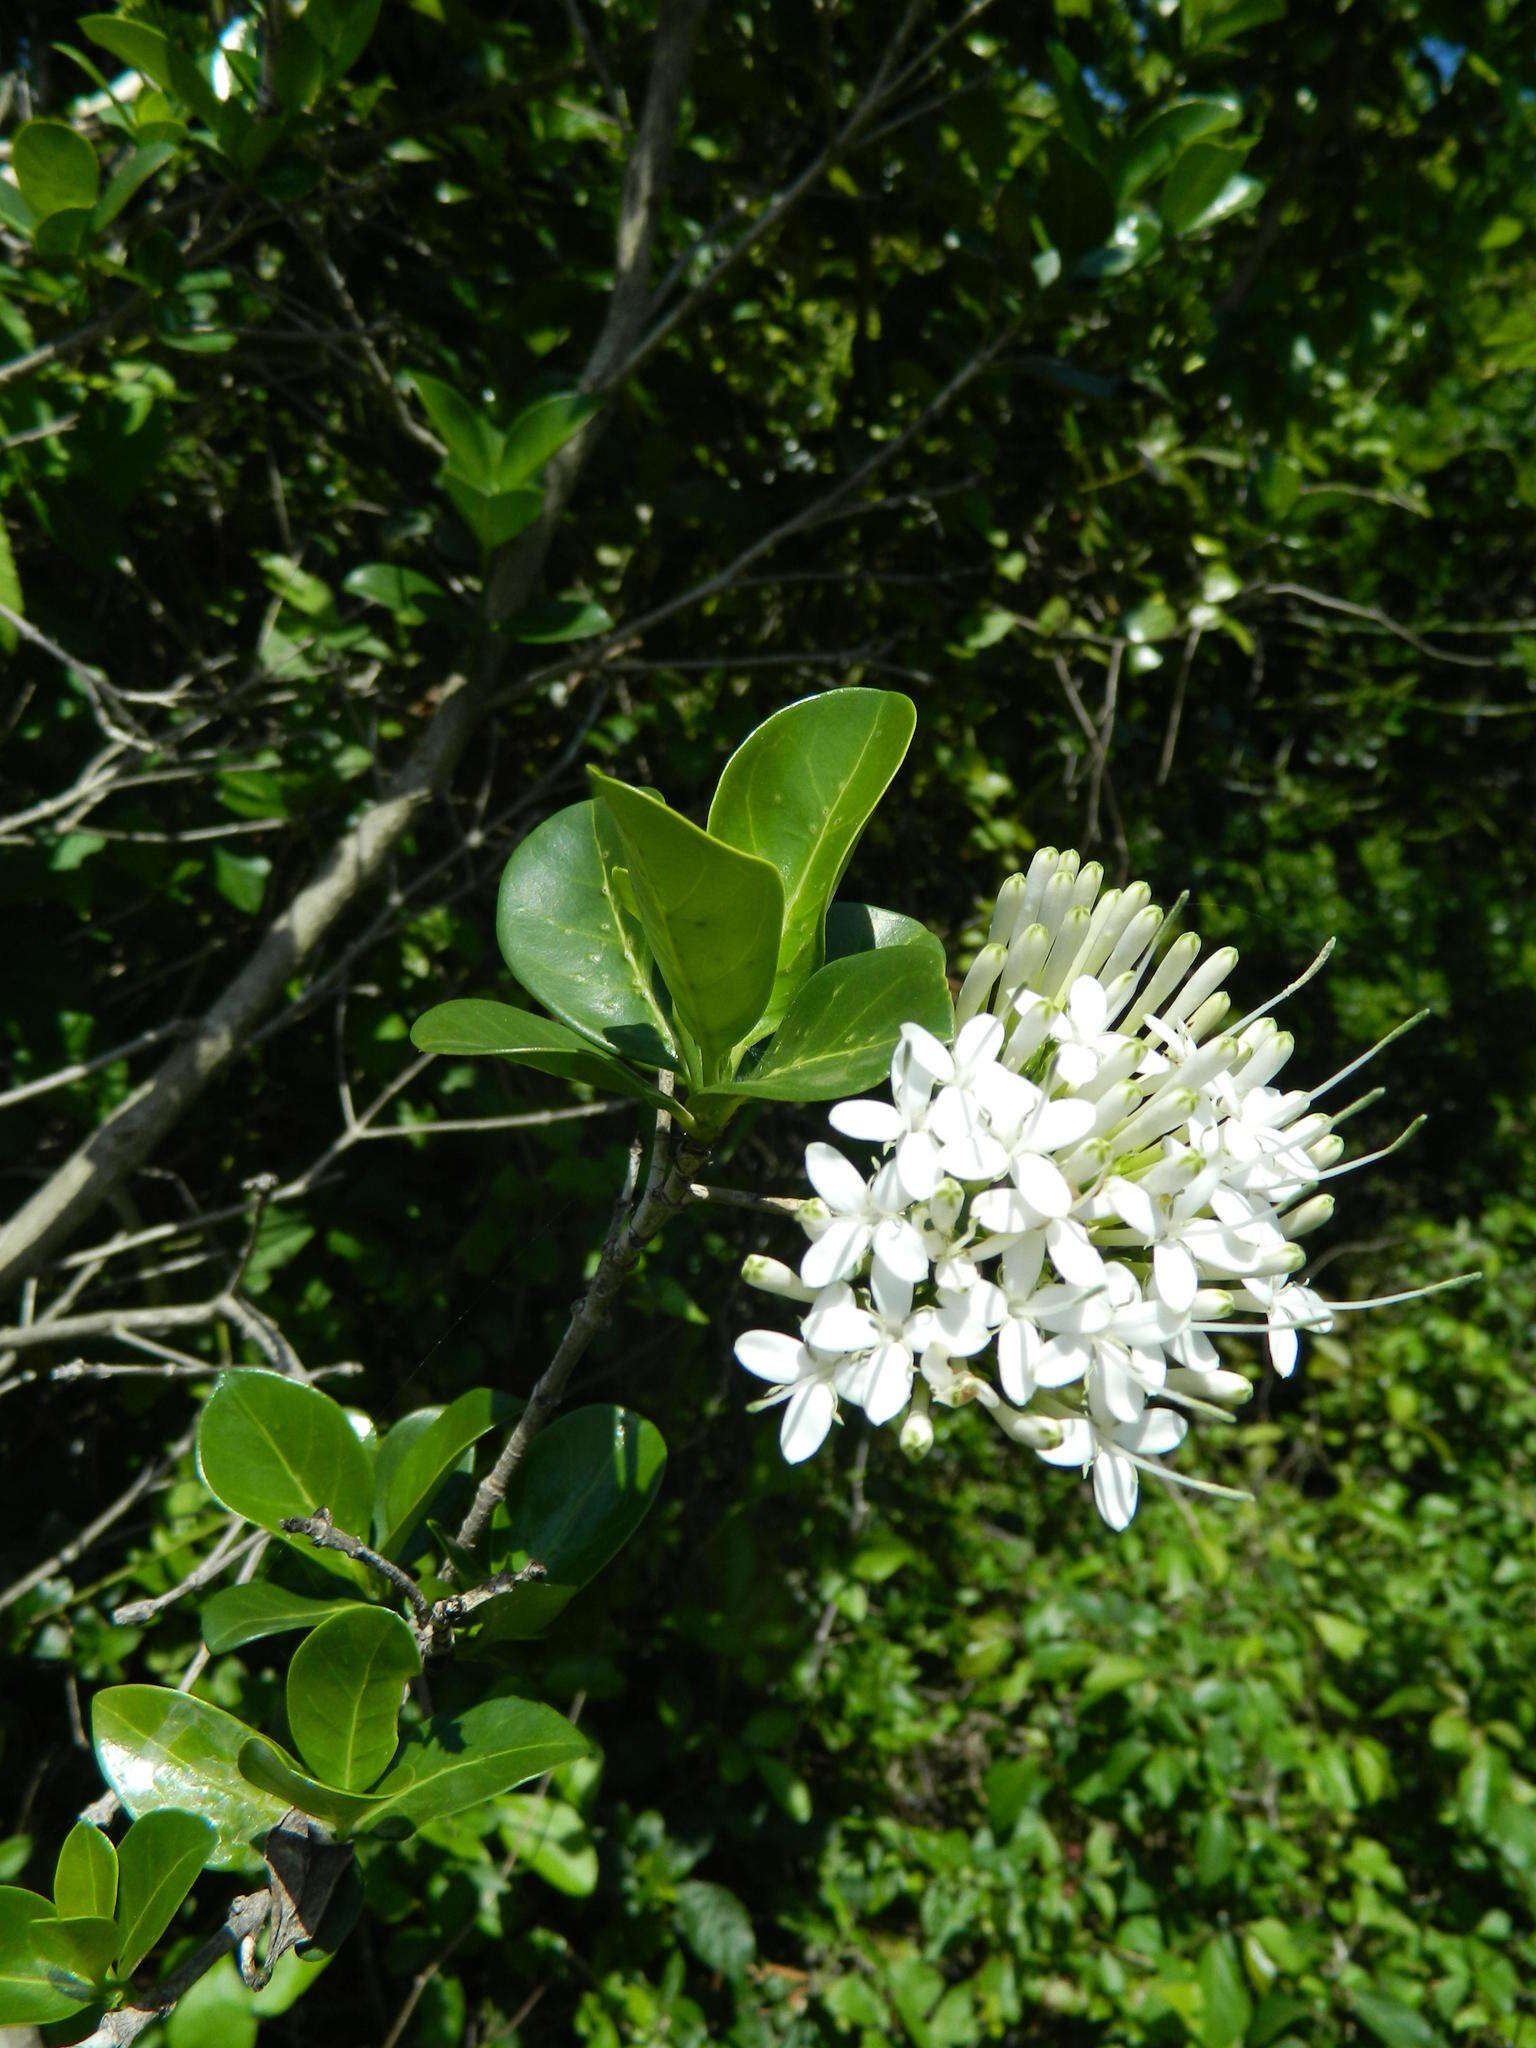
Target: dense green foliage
{"x":1145,"y":391}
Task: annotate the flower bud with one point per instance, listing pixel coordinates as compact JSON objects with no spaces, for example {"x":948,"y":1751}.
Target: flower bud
{"x":945,"y":1204}
{"x":1010,"y":898}
{"x":813,"y":1216}
{"x":1211,"y":1304}
{"x":916,"y":1437}
{"x":1035,"y":1432}
{"x":1225,"y":1389}
{"x":1310,"y":1216}
{"x":772,"y":1276}
{"x":979,"y":983}
{"x":1327,"y":1151}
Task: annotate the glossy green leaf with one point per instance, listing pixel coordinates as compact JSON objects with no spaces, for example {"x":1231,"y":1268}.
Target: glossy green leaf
{"x":55,"y":167}
{"x":269,"y":1447}
{"x":474,"y":1027}
{"x":159,"y":1748}
{"x":539,"y":432}
{"x":1206,"y":185}
{"x":1227,"y":2006}
{"x":1206,"y":24}
{"x":561,"y":618}
{"x":237,"y":1615}
{"x":460,"y":1760}
{"x":273,"y":1774}
{"x":344,"y":1691}
{"x":585,"y":1485}
{"x":33,"y":1990}
{"x":864,"y":928}
{"x":1135,"y":236}
{"x":85,"y":1877}
{"x":842,"y":1027}
{"x":473,"y":444}
{"x":716,"y":1926}
{"x":81,"y":1946}
{"x":569,"y":936}
{"x":160,"y":1859}
{"x":798,"y":792}
{"x":1079,"y":115}
{"x":711,"y":915}
{"x":1156,"y":146}
{"x":408,"y":1485}
{"x":64,"y":233}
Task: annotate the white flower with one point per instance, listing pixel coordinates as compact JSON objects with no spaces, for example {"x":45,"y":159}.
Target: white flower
{"x":1062,"y":1202}
{"x":866,"y":1216}
{"x":804,"y":1385}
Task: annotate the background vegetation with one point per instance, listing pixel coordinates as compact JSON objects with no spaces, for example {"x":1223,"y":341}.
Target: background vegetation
{"x":1147,"y":390}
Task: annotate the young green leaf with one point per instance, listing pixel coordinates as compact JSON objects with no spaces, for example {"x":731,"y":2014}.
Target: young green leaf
{"x":237,"y":1615}
{"x":55,"y":167}
{"x":539,"y":432}
{"x":473,"y":444}
{"x":85,"y":1876}
{"x":798,"y":792}
{"x":494,"y":517}
{"x":842,"y":1027}
{"x":161,"y":1858}
{"x":1156,"y":146}
{"x":344,"y":1690}
{"x":273,"y":1774}
{"x":406,"y":1487}
{"x":33,"y":1989}
{"x":711,"y":915}
{"x":159,"y":1748}
{"x":136,"y":169}
{"x":475,"y":1027}
{"x":559,"y":618}
{"x":462,"y":1760}
{"x":270,"y":1447}
{"x":81,"y":1946}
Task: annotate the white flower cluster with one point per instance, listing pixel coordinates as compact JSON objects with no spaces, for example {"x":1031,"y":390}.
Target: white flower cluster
{"x":1078,"y":1194}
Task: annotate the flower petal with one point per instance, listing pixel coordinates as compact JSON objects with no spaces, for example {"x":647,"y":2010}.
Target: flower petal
{"x":1076,"y":1446}
{"x":1018,"y":1346}
{"x":888,"y":1387}
{"x":838,"y":1182}
{"x":1088,"y":1006}
{"x":871,"y":1123}
{"x":1075,"y":1259}
{"x":807,"y":1418}
{"x":837,"y":1253}
{"x":773,"y":1356}
{"x":1042,"y":1184}
{"x":836,"y":1322}
{"x":919,"y":1167}
{"x":1175,"y":1277}
{"x":899,"y":1248}
{"x":1115,"y":1488}
{"x":979,"y":1041}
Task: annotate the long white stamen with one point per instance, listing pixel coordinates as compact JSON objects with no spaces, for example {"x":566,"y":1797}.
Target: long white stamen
{"x":1398,"y":1031}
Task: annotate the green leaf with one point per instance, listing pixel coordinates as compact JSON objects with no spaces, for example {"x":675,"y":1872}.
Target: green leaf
{"x":276,"y":1775}
{"x":571,"y":939}
{"x":1345,"y":1638}
{"x":1205,"y":186}
{"x":561,"y":618}
{"x":344,"y":1692}
{"x":1226,"y":2005}
{"x":161,"y":1858}
{"x":136,"y":169}
{"x":711,"y":915}
{"x":33,"y":1990}
{"x":55,"y":167}
{"x":842,"y":1027}
{"x":241,"y":878}
{"x":63,"y":233}
{"x":494,"y":517}
{"x":270,"y":1447}
{"x":81,"y":1946}
{"x":1157,"y":144}
{"x":1206,"y":24}
{"x":552,"y":1840}
{"x":1079,"y":115}
{"x":159,"y":1748}
{"x":15,"y":212}
{"x":405,"y":1488}
{"x":461,"y":1760}
{"x":245,"y":1614}
{"x":406,"y":593}
{"x":862,"y":928}
{"x":296,"y":586}
{"x":798,"y":792}
{"x":474,"y":1027}
{"x":585,"y":1485}
{"x":716,"y":1926}
{"x":85,"y":1877}
{"x":539,"y":432}
{"x":473,"y":444}
{"x":1394,"y":2024}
